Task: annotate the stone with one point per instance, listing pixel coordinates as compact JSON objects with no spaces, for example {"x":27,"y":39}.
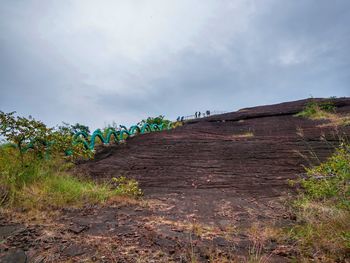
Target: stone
{"x":14,"y":256}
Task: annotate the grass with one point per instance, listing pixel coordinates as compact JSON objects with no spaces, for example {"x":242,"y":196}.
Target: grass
{"x":39,"y":183}
{"x":324,"y":111}
{"x":61,"y":190}
{"x":247,"y":134}
{"x":322,"y":208}
{"x":337,"y":120}
{"x":260,"y":235}
{"x":318,"y":111}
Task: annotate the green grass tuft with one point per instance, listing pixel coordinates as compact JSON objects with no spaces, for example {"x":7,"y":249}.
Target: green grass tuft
{"x":323,"y":210}
{"x":42,"y":183}
{"x":315,"y":111}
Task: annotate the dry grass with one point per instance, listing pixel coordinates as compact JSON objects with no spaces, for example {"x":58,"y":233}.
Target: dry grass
{"x":318,"y":111}
{"x":243,"y":135}
{"x":323,"y":232}
{"x":260,"y":236}
{"x":322,"y":209}
{"x":123,"y":200}
{"x":324,"y":111}
{"x":336,"y":120}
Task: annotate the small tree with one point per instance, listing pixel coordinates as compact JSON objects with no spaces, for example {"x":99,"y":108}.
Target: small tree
{"x":155,"y":120}
{"x":63,"y":142}
{"x":79,"y":128}
{"x":24,"y":133}
{"x":27,"y":133}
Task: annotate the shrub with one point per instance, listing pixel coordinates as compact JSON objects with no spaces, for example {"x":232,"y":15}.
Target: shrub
{"x":30,"y":135}
{"x":33,"y":168}
{"x":43,"y":183}
{"x":24,"y":133}
{"x":155,"y":120}
{"x":60,"y":190}
{"x":315,"y":110}
{"x":330,"y":179}
{"x":323,"y":209}
{"x":128,"y":187}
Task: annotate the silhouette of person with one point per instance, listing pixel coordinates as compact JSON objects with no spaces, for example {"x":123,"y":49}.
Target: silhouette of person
{"x":199,"y":114}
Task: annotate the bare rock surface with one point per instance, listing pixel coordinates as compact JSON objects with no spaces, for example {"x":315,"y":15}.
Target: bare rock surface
{"x":249,"y":152}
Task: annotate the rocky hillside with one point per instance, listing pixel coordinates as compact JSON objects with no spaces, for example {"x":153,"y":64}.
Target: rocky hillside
{"x":254,"y":150}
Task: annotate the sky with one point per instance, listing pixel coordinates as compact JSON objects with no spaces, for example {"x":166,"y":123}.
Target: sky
{"x":98,"y":62}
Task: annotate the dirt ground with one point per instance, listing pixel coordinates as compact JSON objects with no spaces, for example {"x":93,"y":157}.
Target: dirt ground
{"x":214,"y":191}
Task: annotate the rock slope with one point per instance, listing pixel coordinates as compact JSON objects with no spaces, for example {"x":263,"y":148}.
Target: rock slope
{"x":254,"y":150}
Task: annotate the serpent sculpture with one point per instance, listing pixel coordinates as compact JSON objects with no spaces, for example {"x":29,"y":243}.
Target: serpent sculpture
{"x":106,"y":137}
{"x":110,"y":134}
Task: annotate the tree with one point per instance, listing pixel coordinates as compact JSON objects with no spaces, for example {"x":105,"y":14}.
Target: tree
{"x":28,"y":133}
{"x":155,"y":120}
{"x":80,"y":128}
{"x":24,"y":133}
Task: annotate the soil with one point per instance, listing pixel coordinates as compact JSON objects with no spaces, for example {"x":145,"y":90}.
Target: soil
{"x":211,"y":189}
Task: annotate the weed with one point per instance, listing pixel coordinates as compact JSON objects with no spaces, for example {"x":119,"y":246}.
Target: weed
{"x":323,"y":209}
{"x":260,"y":236}
{"x":33,"y":183}
{"x":129,"y":187}
{"x":248,"y":134}
{"x":315,"y":111}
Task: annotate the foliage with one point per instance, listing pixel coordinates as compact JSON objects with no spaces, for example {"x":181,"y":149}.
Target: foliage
{"x":43,"y":183}
{"x":24,"y":131}
{"x":61,"y":190}
{"x":155,"y":120}
{"x":79,"y":128}
{"x":128,"y":187}
{"x":30,"y":180}
{"x":28,"y":134}
{"x":323,"y":209}
{"x":333,"y":177}
{"x":315,"y":110}
{"x":176,"y":124}
{"x":63,"y":142}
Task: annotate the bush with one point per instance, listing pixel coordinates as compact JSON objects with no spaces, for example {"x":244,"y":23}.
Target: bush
{"x":43,"y":183}
{"x":126,"y":186}
{"x":24,"y":133}
{"x":155,"y":120}
{"x":330,"y":179}
{"x":314,"y":110}
{"x":323,"y":209}
{"x":60,"y":190}
{"x":30,"y":135}
{"x":33,"y":167}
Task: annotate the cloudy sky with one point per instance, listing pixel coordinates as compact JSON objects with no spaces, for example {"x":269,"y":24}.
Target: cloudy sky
{"x":96,"y":62}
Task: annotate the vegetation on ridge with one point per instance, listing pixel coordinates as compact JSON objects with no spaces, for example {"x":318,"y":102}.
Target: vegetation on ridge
{"x":318,"y":110}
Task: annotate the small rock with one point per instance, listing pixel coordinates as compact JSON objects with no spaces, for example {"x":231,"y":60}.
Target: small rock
{"x":18,"y":256}
{"x":220,"y":241}
{"x":74,"y":250}
{"x":77,"y":229}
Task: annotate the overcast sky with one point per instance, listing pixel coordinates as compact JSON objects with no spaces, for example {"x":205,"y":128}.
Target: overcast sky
{"x":96,"y":62}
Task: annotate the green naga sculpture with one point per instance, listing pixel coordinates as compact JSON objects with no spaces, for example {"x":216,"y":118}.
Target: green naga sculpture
{"x":106,"y":137}
{"x":89,"y":141}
